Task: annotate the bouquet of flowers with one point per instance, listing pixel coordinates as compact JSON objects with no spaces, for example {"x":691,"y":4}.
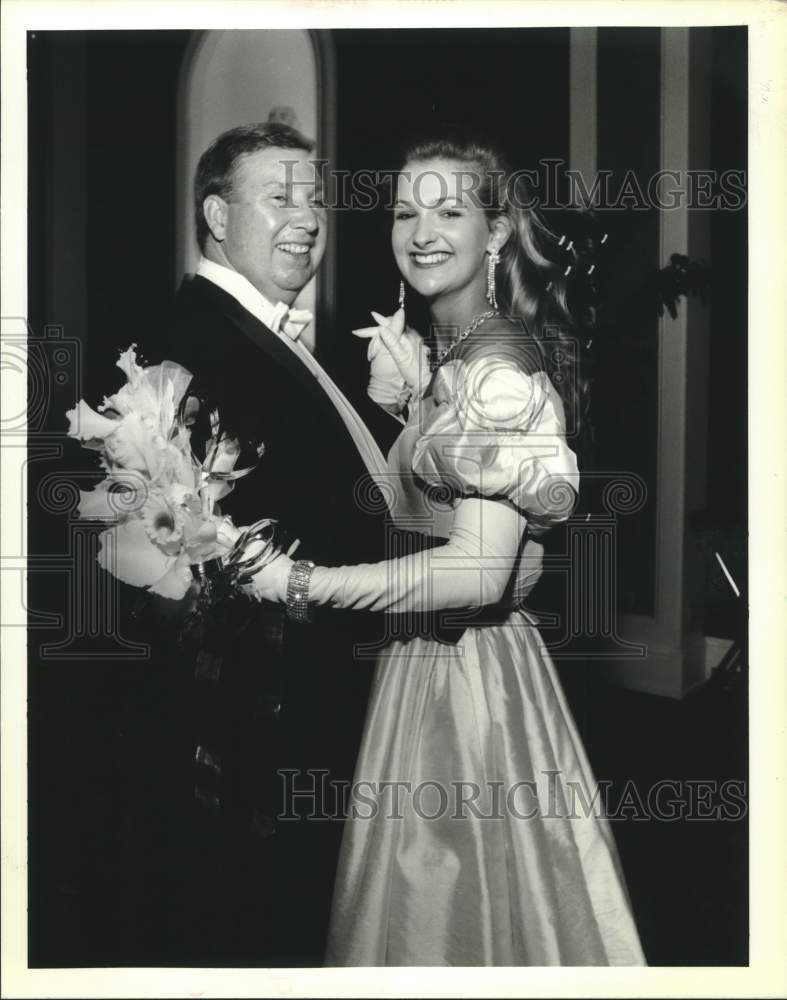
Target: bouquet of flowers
{"x":167,"y":535}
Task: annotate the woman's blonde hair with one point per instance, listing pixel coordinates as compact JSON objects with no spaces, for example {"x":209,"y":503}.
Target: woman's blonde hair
{"x":531,"y":283}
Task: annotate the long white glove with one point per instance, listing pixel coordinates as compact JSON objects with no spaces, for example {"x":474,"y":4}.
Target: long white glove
{"x":471,"y":570}
{"x":399,"y":362}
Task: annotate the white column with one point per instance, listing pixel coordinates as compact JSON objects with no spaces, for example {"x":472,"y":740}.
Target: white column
{"x":675,"y":662}
{"x":583,"y":103}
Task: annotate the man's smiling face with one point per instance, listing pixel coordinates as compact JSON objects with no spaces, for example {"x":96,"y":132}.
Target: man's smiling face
{"x":273,"y":223}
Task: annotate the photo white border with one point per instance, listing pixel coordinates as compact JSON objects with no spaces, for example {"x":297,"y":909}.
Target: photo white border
{"x":767,"y":974}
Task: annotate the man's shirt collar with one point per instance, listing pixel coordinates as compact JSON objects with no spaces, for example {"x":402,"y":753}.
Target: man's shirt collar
{"x":279,"y":317}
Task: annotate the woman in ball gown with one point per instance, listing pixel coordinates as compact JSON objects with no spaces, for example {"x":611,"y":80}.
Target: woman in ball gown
{"x":472,"y":837}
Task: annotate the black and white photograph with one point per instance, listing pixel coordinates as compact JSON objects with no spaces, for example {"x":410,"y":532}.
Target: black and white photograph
{"x":386,"y":549}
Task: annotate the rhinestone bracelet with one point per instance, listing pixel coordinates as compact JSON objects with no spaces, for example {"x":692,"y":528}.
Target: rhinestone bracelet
{"x":298,"y":591}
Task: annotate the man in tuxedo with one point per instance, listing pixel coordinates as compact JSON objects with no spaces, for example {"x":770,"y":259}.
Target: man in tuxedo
{"x":272,"y":699}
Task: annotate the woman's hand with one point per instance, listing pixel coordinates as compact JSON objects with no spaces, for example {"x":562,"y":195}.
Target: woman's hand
{"x":270,"y":582}
{"x":399,"y":360}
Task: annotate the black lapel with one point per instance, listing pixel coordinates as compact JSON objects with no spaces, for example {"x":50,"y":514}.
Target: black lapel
{"x":260,"y":335}
{"x":382,"y":426}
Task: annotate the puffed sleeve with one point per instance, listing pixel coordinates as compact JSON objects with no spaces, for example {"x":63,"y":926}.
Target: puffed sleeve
{"x":498,"y":432}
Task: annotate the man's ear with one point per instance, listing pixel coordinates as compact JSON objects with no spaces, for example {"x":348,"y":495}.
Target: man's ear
{"x":214,"y":208}
{"x":500,"y":233}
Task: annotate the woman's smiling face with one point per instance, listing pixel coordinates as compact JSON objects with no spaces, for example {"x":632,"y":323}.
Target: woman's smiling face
{"x":440,"y":233}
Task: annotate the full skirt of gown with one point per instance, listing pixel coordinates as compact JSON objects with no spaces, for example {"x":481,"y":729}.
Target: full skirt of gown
{"x":491,"y":850}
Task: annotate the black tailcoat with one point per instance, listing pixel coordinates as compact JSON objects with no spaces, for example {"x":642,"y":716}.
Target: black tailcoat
{"x":243,"y":886}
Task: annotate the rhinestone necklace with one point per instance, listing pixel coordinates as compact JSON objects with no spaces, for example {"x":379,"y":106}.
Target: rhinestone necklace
{"x":468,"y":330}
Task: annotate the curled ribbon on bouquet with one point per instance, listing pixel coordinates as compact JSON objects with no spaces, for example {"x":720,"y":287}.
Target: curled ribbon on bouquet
{"x":215,"y":452}
{"x":221,"y":465}
{"x":255,"y":547}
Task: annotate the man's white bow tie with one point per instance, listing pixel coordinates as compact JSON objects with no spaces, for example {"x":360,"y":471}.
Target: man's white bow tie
{"x":290,"y":321}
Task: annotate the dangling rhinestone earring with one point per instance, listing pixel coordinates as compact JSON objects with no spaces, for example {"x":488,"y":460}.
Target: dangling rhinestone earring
{"x":401,"y":294}
{"x":491,"y":293}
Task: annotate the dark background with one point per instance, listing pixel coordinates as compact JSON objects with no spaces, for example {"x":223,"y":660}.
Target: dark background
{"x":102,"y":117}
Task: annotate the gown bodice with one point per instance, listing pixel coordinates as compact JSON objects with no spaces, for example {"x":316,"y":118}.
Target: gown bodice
{"x":489,"y":431}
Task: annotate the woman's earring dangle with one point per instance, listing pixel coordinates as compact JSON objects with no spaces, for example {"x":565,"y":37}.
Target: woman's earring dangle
{"x":401,"y":294}
{"x":491,"y":291}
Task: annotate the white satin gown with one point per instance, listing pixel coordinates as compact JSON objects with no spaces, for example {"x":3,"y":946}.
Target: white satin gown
{"x":522,"y":874}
